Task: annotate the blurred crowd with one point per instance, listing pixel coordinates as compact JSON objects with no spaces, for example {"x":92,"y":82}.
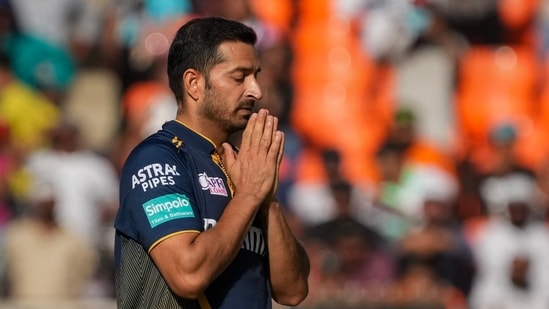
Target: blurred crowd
{"x":416,"y":170}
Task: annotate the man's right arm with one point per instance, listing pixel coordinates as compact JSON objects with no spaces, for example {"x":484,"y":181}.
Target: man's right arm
{"x":190,"y":261}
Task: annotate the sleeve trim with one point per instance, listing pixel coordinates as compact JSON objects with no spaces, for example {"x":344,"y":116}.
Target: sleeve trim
{"x":169,"y":236}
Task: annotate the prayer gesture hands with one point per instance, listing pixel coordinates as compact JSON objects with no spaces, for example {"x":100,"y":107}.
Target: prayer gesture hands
{"x":254,"y":170}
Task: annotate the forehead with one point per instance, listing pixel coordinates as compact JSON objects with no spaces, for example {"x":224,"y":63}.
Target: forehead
{"x":238,"y":55}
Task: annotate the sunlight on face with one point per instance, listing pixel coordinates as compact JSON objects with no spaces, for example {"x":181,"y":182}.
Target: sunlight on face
{"x":231,"y":90}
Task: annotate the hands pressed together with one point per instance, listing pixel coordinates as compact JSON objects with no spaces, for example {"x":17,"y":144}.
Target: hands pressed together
{"x":254,"y":170}
{"x":254,"y":173}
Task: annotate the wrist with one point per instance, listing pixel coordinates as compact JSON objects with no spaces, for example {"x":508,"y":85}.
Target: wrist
{"x":247,"y":199}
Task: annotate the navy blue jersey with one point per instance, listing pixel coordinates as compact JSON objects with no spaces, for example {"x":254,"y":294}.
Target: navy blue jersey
{"x":171,"y":184}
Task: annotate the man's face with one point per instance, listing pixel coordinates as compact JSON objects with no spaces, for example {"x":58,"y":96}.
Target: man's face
{"x":232,"y":89}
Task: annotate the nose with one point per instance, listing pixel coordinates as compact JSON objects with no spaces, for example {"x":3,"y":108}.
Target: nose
{"x":253,"y":89}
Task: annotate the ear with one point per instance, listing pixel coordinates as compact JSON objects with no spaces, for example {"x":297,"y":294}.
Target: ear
{"x":192,"y":83}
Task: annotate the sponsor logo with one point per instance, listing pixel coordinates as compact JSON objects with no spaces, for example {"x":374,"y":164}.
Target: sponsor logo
{"x":254,"y":241}
{"x":168,"y":207}
{"x":209,"y":223}
{"x":154,"y":175}
{"x":215,"y":185}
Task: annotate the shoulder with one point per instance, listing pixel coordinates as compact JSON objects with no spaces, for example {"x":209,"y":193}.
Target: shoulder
{"x":158,"y":146}
{"x":155,"y":156}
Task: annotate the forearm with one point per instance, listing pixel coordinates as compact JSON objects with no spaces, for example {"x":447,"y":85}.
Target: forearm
{"x":189,"y":262}
{"x":289,"y":263}
{"x":223,"y":240}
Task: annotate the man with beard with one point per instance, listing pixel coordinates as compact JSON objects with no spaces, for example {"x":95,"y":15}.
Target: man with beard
{"x":199,"y":225}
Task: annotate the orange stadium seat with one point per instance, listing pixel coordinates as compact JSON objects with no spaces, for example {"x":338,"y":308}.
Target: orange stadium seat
{"x":342,"y":99}
{"x":517,"y":13}
{"x":496,"y":84}
{"x":278,"y":13}
{"x":543,"y":109}
{"x":519,"y":17}
{"x":539,"y":140}
{"x":314,"y":10}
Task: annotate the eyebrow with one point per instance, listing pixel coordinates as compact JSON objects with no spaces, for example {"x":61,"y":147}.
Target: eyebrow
{"x":245,"y":70}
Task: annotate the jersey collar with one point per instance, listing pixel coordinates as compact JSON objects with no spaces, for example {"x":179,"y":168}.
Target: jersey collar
{"x":189,"y":136}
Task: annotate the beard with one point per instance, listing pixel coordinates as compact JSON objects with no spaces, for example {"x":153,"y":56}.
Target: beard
{"x":216,"y":109}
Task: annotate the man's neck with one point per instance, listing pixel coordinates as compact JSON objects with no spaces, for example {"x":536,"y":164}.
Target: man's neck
{"x":205,"y":128}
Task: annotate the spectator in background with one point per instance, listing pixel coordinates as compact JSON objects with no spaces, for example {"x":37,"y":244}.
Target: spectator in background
{"x":440,"y":244}
{"x":418,"y":286}
{"x":355,"y":258}
{"x":511,"y":252}
{"x":146,"y":105}
{"x":403,"y":188}
{"x":502,"y":172}
{"x":28,"y":116}
{"x":35,"y":61}
{"x":387,"y":28}
{"x":85,"y":183}
{"x":86,"y":188}
{"x":43,"y":261}
{"x":137,"y":31}
{"x":313,"y":202}
{"x":27,"y":112}
{"x":418,"y":149}
{"x":70,"y":24}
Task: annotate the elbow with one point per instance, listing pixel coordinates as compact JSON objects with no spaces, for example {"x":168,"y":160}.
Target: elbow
{"x":188,"y":286}
{"x":292,"y":301}
{"x":294,"y":297}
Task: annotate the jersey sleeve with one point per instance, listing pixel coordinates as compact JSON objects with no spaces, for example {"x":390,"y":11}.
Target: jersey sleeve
{"x":157,"y":196}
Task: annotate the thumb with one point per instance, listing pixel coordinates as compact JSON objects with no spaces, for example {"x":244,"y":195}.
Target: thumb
{"x":227,"y":154}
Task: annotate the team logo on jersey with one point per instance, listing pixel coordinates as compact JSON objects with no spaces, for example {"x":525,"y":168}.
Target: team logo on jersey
{"x":168,"y":207}
{"x":215,"y":185}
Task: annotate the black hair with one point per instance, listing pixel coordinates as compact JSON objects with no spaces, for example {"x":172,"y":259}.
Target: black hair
{"x":195,"y":46}
{"x":391,"y":147}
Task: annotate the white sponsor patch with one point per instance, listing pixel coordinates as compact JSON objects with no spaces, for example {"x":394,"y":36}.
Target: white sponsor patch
{"x":215,"y":185}
{"x":154,"y":175}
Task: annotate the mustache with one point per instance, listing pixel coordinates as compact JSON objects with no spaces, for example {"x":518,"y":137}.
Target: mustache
{"x":251,"y":105}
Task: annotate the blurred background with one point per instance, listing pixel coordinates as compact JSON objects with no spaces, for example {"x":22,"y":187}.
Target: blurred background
{"x":416,"y":170}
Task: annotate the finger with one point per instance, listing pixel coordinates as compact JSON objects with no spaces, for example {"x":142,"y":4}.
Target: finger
{"x":275,"y":148}
{"x":259,"y":126}
{"x":228,"y":156}
{"x":245,"y":143}
{"x":275,"y":126}
{"x":268,"y":131}
{"x":282,"y":145}
{"x":279,"y":159}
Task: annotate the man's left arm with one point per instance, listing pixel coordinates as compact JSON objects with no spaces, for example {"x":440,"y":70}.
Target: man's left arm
{"x":288,"y":261}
